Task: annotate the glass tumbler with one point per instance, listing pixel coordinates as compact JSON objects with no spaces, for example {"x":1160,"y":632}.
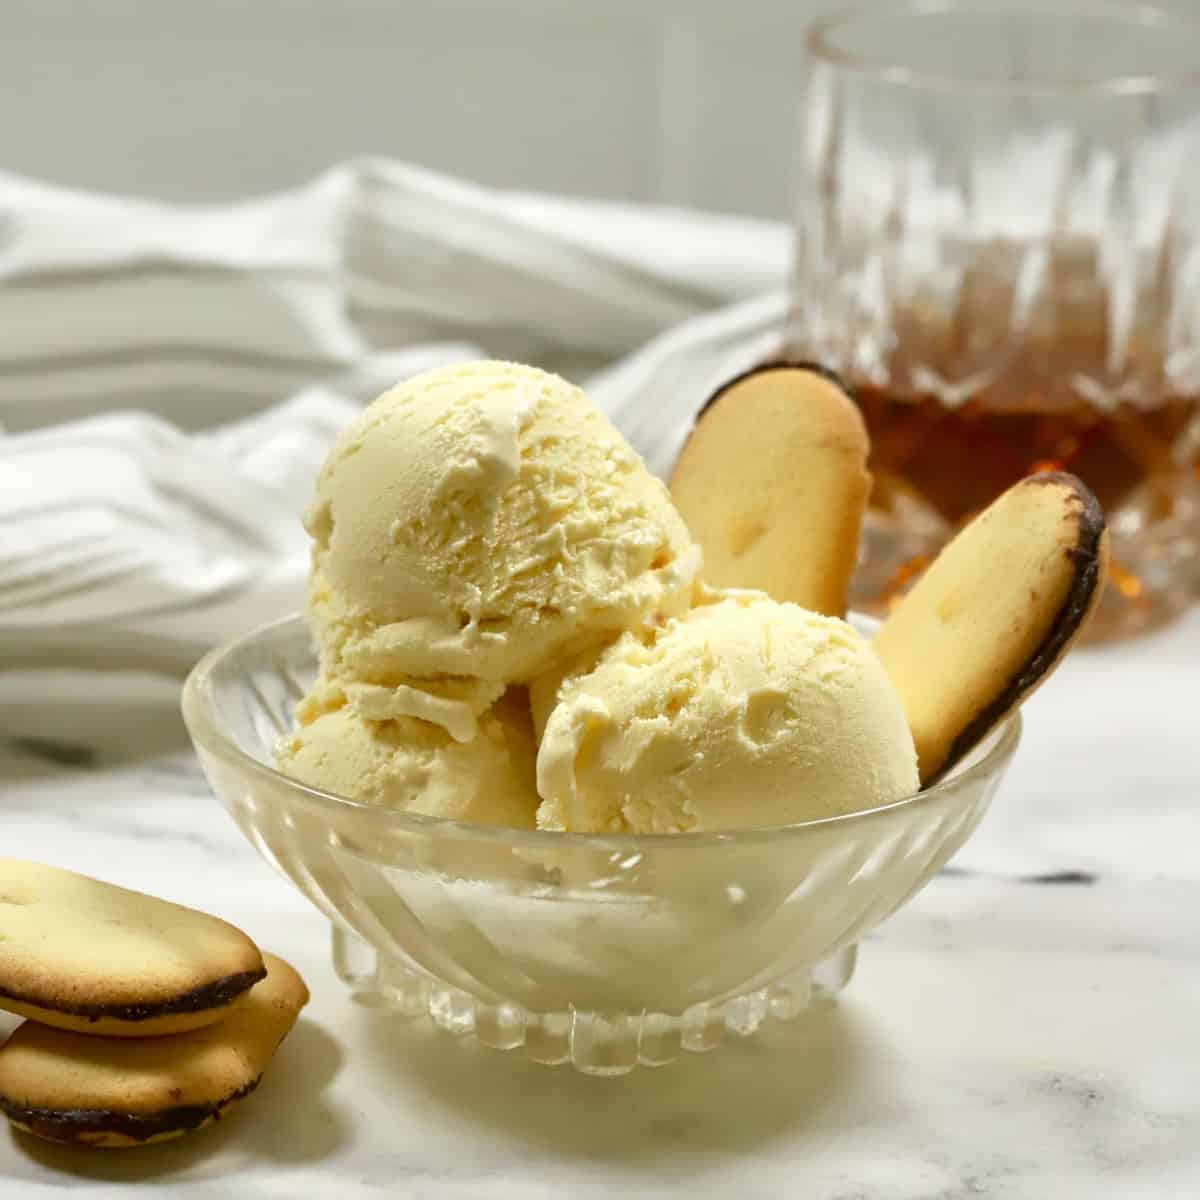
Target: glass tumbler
{"x":996,"y":247}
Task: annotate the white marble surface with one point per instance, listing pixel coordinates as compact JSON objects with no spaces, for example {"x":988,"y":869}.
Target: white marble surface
{"x":1002,"y":1039}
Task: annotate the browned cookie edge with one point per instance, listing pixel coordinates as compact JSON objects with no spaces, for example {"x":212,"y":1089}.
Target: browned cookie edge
{"x":216,"y":994}
{"x":773,"y":365}
{"x":71,"y":1125}
{"x":1087,"y":555}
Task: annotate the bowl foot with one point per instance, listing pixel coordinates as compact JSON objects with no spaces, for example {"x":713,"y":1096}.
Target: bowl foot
{"x":594,"y":1042}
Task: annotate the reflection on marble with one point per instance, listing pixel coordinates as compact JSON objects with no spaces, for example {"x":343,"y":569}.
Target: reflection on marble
{"x":1026,"y":1028}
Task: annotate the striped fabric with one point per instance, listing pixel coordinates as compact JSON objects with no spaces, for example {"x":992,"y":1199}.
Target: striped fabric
{"x":170,"y":378}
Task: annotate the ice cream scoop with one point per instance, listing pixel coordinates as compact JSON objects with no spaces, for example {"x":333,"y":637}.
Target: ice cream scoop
{"x":478,"y":523}
{"x":417,"y":766}
{"x":744,"y":712}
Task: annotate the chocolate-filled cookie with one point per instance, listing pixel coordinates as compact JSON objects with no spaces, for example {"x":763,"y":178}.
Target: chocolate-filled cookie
{"x":994,"y":614}
{"x":116,"y":1092}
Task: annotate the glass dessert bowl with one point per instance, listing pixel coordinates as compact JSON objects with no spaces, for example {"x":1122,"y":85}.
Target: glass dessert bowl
{"x":604,"y":951}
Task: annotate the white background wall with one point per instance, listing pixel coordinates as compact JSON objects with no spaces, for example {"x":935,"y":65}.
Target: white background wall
{"x":666,"y":100}
{"x":683,"y":101}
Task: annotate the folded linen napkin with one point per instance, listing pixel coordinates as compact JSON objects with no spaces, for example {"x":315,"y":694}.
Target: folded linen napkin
{"x":171,"y":377}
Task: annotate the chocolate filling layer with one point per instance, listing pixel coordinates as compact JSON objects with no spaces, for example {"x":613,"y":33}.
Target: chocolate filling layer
{"x":211,"y":995}
{"x":70,"y":1124}
{"x":1085,"y":556}
{"x":779,"y":365}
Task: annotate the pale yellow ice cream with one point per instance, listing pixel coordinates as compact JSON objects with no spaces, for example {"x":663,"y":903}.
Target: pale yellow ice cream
{"x":743,"y":713}
{"x":473,"y":527}
{"x":416,"y":766}
{"x":482,"y":530}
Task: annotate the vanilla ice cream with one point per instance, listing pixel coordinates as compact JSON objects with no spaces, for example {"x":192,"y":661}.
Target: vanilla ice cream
{"x":744,"y":712}
{"x":417,"y":766}
{"x":474,"y":526}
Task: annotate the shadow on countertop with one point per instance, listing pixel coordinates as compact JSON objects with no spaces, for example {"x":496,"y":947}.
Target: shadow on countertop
{"x":789,"y":1076}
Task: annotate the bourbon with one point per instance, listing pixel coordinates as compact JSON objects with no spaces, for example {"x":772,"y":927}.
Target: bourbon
{"x":1035,"y":356}
{"x":955,"y":461}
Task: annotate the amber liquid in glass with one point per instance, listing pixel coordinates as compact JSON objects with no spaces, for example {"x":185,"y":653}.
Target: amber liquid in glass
{"x":997,"y":381}
{"x":958,"y":460}
{"x":951,"y":462}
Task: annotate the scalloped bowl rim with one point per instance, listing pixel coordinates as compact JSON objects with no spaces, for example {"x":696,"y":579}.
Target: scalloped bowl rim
{"x":199,"y":716}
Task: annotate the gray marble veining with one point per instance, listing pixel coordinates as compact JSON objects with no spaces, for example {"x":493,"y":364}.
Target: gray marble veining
{"x":1004,"y":1039}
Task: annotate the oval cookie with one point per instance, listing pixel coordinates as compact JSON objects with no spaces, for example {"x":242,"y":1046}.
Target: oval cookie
{"x":120,"y":1092}
{"x":772,"y":484}
{"x":992,"y":617}
{"x":89,"y":956}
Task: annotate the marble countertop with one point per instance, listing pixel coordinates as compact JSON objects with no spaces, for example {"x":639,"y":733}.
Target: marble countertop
{"x":1028,"y":1027}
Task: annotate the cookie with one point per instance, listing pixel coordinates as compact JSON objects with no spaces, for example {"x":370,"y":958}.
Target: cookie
{"x":994,"y":614}
{"x":119,"y":1092}
{"x":772,"y":484}
{"x":84,"y":955}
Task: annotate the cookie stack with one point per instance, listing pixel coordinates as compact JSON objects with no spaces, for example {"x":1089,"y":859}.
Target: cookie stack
{"x":145,"y":1020}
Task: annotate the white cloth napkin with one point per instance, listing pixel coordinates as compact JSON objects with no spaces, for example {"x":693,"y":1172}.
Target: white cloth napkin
{"x":171,"y":377}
